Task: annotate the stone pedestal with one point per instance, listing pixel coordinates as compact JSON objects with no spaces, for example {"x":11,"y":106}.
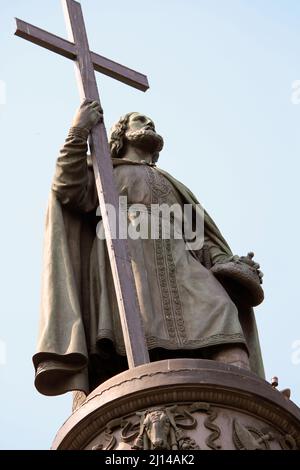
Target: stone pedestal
{"x":183,"y":404}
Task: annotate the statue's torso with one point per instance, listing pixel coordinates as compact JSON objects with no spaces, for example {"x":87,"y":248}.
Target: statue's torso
{"x":182,"y":304}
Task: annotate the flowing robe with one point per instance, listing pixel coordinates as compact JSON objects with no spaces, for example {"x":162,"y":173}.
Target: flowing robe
{"x":183,"y":306}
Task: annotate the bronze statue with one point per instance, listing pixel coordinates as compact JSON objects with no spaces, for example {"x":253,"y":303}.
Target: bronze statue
{"x":186,"y":311}
{"x":192,"y":301}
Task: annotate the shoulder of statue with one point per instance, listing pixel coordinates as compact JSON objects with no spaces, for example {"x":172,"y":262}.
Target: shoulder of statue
{"x":184,"y":190}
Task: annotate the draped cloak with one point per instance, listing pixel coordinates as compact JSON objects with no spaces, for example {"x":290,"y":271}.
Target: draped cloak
{"x":183,"y":306}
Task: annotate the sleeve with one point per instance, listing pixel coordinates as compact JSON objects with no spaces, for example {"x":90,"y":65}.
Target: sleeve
{"x":216,"y":254}
{"x":74,"y":183}
{"x":211,"y":254}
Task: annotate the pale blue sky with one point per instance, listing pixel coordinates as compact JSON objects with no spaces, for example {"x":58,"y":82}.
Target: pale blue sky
{"x":221,"y":74}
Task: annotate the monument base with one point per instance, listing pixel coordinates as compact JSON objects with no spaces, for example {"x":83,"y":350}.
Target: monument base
{"x":183,"y":404}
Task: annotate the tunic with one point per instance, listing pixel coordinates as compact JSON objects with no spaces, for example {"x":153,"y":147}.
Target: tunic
{"x":183,"y":306}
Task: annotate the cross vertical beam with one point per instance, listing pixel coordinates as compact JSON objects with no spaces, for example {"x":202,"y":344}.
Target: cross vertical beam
{"x":135,"y":344}
{"x":130,"y":315}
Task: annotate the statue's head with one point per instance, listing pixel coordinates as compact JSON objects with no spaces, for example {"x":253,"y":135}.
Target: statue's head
{"x":137,"y":130}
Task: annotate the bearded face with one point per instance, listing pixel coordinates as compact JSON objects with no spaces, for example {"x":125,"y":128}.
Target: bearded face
{"x":145,"y":139}
{"x":137,"y":130}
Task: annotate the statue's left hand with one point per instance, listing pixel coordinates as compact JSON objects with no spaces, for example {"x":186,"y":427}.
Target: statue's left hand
{"x":250,"y":262}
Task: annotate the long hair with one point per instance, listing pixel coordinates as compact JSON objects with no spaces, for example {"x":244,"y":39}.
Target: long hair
{"x":116,"y":140}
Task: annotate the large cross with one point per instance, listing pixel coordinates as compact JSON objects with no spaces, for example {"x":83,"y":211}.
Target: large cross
{"x":77,"y":49}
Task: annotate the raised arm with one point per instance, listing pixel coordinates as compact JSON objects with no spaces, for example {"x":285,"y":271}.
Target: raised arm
{"x":73,"y":181}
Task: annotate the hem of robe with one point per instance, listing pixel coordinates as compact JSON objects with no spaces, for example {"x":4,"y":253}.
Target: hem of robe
{"x":57,"y":374}
{"x":154,"y":342}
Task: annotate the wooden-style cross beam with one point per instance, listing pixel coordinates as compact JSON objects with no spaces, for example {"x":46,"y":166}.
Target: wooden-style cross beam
{"x":77,"y":49}
{"x":69,"y":50}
